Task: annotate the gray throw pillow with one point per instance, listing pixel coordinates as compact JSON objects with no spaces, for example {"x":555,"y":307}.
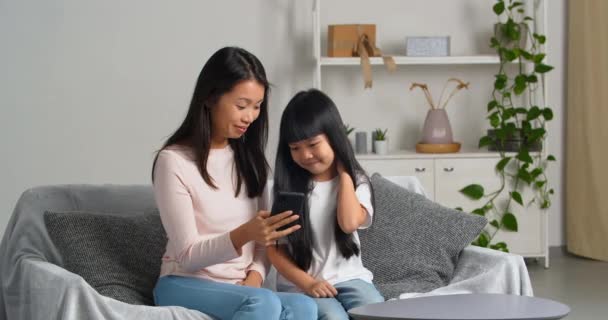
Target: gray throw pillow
{"x":119,"y":256}
{"x":414,"y":243}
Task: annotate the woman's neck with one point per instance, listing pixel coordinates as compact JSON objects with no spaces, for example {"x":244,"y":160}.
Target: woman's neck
{"x":218,"y":143}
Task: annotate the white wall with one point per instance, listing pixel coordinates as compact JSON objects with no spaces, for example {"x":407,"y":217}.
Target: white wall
{"x":556,"y":80}
{"x":89,"y":89}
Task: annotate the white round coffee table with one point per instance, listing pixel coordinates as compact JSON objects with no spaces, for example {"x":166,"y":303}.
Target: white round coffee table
{"x":464,"y":307}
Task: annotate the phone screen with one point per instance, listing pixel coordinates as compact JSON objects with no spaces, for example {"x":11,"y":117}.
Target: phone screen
{"x":285,"y":201}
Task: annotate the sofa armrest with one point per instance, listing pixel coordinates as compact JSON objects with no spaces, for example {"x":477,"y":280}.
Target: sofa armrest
{"x":41,"y":290}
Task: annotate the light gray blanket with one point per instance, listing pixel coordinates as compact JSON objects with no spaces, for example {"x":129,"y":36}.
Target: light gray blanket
{"x":35,"y":286}
{"x":482,"y":270}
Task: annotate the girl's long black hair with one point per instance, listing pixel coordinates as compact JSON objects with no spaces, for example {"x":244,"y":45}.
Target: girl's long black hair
{"x":224,"y":69}
{"x":310,"y":113}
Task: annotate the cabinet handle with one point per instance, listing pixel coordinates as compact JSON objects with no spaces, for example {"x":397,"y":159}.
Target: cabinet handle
{"x":420,"y":169}
{"x":450,"y":169}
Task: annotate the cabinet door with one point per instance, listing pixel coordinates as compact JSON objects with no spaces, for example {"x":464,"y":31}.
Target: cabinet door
{"x":420,"y":168}
{"x":451,"y":175}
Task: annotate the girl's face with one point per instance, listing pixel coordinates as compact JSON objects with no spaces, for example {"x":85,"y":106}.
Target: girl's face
{"x":315,"y":155}
{"x":235,"y":111}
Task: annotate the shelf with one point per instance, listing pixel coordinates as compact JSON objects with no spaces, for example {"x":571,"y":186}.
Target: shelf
{"x":403,"y":60}
{"x":412,"y":154}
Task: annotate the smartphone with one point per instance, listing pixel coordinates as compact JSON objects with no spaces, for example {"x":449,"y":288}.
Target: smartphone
{"x":285,"y":201}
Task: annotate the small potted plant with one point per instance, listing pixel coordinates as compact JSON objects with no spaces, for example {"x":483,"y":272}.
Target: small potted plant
{"x":380,"y":143}
{"x":348,"y":129}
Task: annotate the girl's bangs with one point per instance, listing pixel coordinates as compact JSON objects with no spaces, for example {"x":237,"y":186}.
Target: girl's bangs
{"x":301,"y":129}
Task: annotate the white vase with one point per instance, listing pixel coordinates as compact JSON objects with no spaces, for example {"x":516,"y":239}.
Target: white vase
{"x":380,"y":146}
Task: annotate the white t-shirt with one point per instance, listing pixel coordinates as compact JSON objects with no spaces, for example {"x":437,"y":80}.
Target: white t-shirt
{"x":327,"y":261}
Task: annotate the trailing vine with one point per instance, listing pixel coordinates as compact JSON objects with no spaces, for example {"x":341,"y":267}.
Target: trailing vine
{"x":512,"y":112}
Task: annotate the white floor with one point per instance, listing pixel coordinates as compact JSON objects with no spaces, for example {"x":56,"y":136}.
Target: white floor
{"x":578,"y":282}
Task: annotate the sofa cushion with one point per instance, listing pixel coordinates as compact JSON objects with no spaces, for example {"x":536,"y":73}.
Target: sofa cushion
{"x":119,"y":256}
{"x":414,"y":243}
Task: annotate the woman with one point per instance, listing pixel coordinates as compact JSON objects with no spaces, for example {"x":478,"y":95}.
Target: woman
{"x":208,"y":180}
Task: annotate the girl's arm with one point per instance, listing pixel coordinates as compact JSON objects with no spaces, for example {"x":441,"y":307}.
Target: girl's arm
{"x":314,"y":288}
{"x":351,"y":214}
{"x":253,"y":279}
{"x":281,"y":261}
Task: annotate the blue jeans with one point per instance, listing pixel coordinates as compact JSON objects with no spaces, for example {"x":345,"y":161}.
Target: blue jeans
{"x":229,"y":301}
{"x":351,"y":294}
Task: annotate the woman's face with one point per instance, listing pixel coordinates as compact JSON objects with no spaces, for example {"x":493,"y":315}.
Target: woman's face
{"x":315,"y":155}
{"x":235,"y":111}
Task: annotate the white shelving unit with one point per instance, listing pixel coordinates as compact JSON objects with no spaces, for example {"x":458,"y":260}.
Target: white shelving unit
{"x":404,"y":60}
{"x":431,"y":168}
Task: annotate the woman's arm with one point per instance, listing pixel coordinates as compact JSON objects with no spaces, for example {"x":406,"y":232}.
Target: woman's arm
{"x":351,"y":214}
{"x":314,"y":288}
{"x":192,"y":251}
{"x":177,"y":215}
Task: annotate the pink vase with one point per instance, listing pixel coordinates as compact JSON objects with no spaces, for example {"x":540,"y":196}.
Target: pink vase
{"x":437,"y":128}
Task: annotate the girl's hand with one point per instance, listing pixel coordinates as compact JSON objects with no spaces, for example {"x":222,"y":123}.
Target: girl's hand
{"x":321,"y":289}
{"x":263,"y":228}
{"x":253,"y":280}
{"x":340,"y":167}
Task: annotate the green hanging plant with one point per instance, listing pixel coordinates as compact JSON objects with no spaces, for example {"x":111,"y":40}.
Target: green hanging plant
{"x":518,"y":125}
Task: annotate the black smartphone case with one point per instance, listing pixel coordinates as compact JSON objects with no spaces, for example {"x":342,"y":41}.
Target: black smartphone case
{"x":285,"y":201}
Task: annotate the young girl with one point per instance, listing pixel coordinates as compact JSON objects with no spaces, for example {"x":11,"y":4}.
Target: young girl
{"x":323,"y":258}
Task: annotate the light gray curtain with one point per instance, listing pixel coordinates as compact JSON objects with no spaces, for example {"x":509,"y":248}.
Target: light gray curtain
{"x":587,"y":129}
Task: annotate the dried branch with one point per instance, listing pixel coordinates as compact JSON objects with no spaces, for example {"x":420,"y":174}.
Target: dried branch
{"x":427,"y":94}
{"x":461,"y":85}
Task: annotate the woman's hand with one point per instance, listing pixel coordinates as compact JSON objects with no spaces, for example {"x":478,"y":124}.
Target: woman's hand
{"x":321,"y":289}
{"x":263,"y":228}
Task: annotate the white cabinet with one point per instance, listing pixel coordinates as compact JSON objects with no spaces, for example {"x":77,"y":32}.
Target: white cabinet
{"x":444,"y":175}
{"x":451,"y":175}
{"x":421,"y":168}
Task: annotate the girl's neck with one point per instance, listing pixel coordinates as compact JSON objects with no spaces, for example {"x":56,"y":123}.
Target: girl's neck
{"x":328,"y":175}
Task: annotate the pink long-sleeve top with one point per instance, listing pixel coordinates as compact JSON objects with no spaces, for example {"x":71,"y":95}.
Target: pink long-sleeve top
{"x":198,"y":219}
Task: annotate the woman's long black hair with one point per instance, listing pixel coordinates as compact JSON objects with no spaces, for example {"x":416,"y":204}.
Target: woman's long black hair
{"x":224,"y":69}
{"x":310,"y":113}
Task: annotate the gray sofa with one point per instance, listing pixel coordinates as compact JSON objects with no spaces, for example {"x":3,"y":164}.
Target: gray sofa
{"x":36,"y":284}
